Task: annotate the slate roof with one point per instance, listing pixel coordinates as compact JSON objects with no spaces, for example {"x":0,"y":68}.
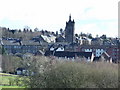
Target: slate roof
{"x":60,"y":39}
{"x":106,"y":56}
{"x":68,"y":54}
{"x":20,"y":69}
{"x":93,"y":46}
{"x":72,"y":54}
{"x":96,"y":39}
{"x":49,"y":39}
{"x":12,"y":42}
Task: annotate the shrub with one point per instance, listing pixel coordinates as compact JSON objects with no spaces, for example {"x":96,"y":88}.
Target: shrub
{"x":68,"y":74}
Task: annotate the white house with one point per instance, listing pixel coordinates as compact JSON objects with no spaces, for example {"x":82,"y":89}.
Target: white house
{"x":52,"y":49}
{"x":88,"y":50}
{"x":99,"y":52}
{"x":60,"y":49}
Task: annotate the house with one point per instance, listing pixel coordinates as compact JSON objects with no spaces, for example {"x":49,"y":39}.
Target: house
{"x":67,"y":54}
{"x":60,"y":39}
{"x":87,"y":55}
{"x":58,"y":47}
{"x":96,"y":59}
{"x":48,"y":38}
{"x":63,"y":51}
{"x":96,"y":41}
{"x":107,"y":42}
{"x":85,"y":41}
{"x":104,"y":57}
{"x":14,"y":46}
{"x":23,"y":71}
{"x":39,"y":52}
{"x":96,"y":49}
{"x":20,"y":71}
{"x":114,"y":52}
{"x":62,"y":47}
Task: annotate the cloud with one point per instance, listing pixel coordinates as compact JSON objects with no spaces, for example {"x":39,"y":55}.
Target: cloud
{"x":100,"y":27}
{"x":52,"y":14}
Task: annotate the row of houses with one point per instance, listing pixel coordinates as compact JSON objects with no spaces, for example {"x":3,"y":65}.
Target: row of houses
{"x":60,"y":51}
{"x":19,"y":45}
{"x":68,"y":55}
{"x":32,"y":46}
{"x":90,"y":41}
{"x":112,"y":52}
{"x":71,"y":56}
{"x":12,"y":47}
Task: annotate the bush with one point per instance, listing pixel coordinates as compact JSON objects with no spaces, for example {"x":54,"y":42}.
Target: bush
{"x":10,"y":63}
{"x":68,"y":74}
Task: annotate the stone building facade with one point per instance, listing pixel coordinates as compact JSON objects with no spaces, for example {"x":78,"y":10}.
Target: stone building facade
{"x":69,"y":30}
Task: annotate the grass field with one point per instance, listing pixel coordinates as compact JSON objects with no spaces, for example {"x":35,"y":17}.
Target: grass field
{"x":11,"y":87}
{"x":8,"y":81}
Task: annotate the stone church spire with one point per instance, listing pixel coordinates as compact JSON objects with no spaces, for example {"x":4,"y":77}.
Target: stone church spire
{"x":69,"y":30}
{"x":70,"y":17}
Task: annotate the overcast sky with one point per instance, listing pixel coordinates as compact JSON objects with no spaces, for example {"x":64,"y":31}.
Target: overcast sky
{"x":91,"y":16}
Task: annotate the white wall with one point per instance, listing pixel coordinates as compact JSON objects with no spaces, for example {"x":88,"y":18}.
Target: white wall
{"x":99,"y":52}
{"x":19,"y":72}
{"x":51,"y":49}
{"x":88,"y":50}
{"x":60,"y":49}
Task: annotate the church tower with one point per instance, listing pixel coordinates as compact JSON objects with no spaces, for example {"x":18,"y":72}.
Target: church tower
{"x":69,"y":30}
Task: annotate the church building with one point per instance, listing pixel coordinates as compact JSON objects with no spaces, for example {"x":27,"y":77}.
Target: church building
{"x":69,"y":30}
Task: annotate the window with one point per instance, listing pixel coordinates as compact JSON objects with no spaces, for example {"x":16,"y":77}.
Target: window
{"x":8,"y":46}
{"x":83,"y":49}
{"x":114,"y":53}
{"x":29,"y":51}
{"x":15,"y":46}
{"x":19,"y":46}
{"x":5,"y":46}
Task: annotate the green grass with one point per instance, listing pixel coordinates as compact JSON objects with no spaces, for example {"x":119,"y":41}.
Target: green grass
{"x":11,"y":87}
{"x":8,"y":81}
{"x":6,"y":74}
